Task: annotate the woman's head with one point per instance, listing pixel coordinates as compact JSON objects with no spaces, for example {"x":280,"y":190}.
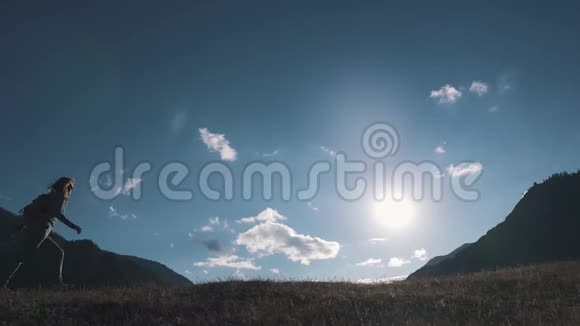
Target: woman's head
{"x":63,"y":184}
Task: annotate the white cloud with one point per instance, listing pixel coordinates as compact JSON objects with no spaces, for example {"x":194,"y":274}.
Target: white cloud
{"x":231,"y":261}
{"x":505,"y":88}
{"x":213,"y":224}
{"x":464,"y":169}
{"x":214,"y":220}
{"x":129,"y":185}
{"x":2,"y":197}
{"x":505,"y":83}
{"x":155,"y":234}
{"x":331,"y":152}
{"x":267,"y":215}
{"x":206,"y":228}
{"x":275,"y":271}
{"x":187,"y":272}
{"x":271,"y":154}
{"x":125,"y":189}
{"x":270,"y":238}
{"x":205,"y":272}
{"x":446,"y":94}
{"x":397,"y":262}
{"x":375,"y":240}
{"x":440,"y":149}
{"x":190,"y":235}
{"x":370,"y":262}
{"x":493,"y":109}
{"x":312,"y":207}
{"x":227,"y":227}
{"x":218,"y":143}
{"x":171,"y":245}
{"x":113,"y":211}
{"x":420,"y":254}
{"x":478,"y":87}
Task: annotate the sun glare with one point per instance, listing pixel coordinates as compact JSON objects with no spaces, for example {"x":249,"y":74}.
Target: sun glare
{"x":394,"y":214}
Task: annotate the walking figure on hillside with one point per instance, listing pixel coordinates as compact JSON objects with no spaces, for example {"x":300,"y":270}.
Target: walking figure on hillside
{"x":38,"y":221}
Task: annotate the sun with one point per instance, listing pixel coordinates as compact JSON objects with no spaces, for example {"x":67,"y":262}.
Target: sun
{"x":394,"y":214}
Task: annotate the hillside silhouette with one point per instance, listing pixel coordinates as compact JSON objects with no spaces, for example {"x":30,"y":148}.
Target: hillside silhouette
{"x":543,"y":227}
{"x":85,"y":264}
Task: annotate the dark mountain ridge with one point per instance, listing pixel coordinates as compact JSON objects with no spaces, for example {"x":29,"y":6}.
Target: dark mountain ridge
{"x":85,"y":264}
{"x":437,"y":259}
{"x":543,"y":227}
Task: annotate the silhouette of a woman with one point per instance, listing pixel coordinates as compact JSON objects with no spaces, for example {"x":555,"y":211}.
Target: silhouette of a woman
{"x":38,"y":221}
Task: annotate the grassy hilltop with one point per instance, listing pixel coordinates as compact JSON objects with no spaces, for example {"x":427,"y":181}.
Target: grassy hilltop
{"x":534,"y":295}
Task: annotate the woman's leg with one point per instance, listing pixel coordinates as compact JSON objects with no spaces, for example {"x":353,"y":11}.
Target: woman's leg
{"x":31,"y":238}
{"x":60,"y":258}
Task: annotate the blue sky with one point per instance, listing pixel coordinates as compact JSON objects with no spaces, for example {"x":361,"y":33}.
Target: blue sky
{"x":289,"y":80}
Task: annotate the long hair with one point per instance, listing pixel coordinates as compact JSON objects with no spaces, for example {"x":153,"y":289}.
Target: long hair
{"x":60,"y":185}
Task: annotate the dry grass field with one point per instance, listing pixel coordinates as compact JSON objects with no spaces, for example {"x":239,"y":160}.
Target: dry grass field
{"x":534,"y":295}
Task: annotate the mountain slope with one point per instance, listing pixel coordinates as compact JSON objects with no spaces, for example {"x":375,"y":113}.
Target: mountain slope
{"x":85,"y":264}
{"x":543,"y":227}
{"x":437,"y":259}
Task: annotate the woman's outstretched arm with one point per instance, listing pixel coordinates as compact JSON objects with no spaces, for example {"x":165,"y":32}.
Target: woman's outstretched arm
{"x":68,"y":223}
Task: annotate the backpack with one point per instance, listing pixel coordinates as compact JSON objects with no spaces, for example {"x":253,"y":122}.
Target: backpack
{"x":37,"y":208}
